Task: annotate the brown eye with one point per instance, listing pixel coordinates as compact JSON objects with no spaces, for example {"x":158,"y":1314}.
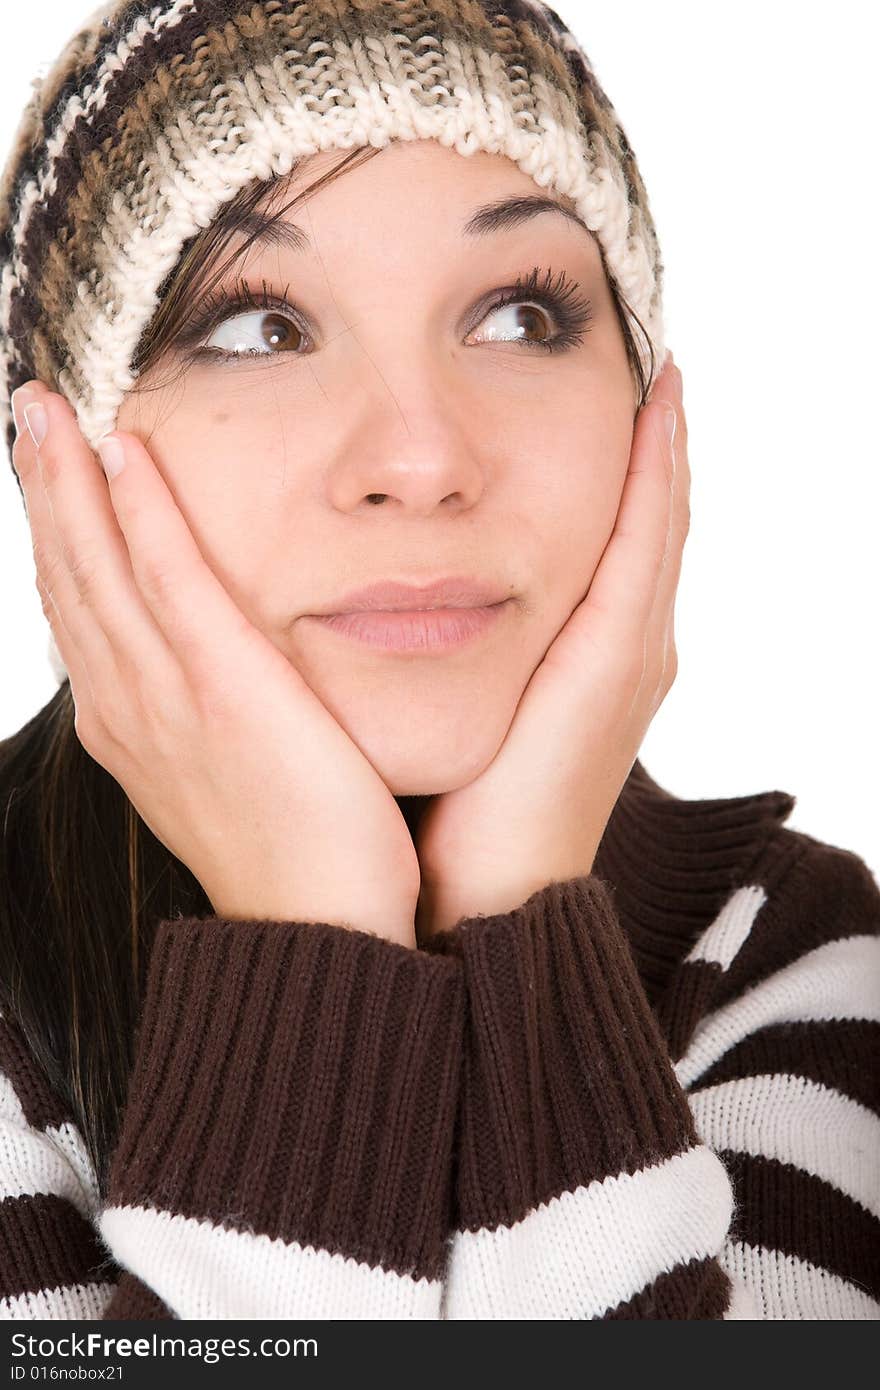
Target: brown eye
{"x":259,"y":333}
{"x":524,"y":323}
{"x":539,"y":312}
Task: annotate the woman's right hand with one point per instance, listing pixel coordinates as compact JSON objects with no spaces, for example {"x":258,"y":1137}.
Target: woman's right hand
{"x":223,"y":749}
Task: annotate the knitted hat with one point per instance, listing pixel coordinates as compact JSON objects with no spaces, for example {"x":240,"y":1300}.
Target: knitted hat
{"x":155,"y":115}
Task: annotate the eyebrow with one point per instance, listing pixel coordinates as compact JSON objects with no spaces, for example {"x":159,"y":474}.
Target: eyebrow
{"x":500,"y":216}
{"x":507,"y":213}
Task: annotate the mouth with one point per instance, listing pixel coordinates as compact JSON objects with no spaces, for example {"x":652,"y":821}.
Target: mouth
{"x":416,"y":629}
{"x":396,"y":596}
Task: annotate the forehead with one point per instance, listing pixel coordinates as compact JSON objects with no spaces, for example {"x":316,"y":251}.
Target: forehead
{"x":427,"y":157}
{"x":431,"y":185}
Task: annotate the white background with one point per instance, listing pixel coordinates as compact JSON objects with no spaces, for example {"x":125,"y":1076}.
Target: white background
{"x":755,"y":130}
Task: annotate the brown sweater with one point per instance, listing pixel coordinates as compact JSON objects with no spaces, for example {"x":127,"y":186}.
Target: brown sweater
{"x":651,"y":1092}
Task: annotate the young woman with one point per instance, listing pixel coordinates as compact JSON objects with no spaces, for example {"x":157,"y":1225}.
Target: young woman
{"x":337,"y":908}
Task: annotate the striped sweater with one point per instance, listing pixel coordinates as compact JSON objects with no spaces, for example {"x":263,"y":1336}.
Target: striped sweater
{"x":650,"y":1092}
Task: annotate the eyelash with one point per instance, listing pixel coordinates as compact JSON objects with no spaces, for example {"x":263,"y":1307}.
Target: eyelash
{"x":571,"y":311}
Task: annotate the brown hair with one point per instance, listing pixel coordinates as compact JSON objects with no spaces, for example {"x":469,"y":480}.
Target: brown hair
{"x":76,"y":860}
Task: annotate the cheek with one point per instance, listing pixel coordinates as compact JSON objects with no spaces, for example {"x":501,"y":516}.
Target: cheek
{"x":233,"y":477}
{"x":579,"y":510}
{"x":228,"y":499}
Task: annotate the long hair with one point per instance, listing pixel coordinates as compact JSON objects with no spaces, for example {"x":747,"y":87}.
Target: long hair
{"x":83,"y":881}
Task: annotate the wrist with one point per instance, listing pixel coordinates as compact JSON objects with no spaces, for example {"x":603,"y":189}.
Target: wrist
{"x":394,"y":924}
{"x":441,"y":906}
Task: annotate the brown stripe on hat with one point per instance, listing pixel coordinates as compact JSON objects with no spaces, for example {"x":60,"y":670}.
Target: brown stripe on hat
{"x":99,"y":156}
{"x":68,"y":249}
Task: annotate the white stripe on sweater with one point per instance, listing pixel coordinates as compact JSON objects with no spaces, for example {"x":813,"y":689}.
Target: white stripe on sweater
{"x":34,"y":1161}
{"x":586,"y":1251}
{"x":203,"y":1270}
{"x":68,"y":1139}
{"x":794,"y":1289}
{"x":797,"y":1121}
{"x":743,"y":1303}
{"x":67,"y":1301}
{"x":724,"y":937}
{"x":840,"y":979}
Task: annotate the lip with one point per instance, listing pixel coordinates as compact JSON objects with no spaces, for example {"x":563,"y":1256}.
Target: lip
{"x":421,"y":630}
{"x":391,"y":596}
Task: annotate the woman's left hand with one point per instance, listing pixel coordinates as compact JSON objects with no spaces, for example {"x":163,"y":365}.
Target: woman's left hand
{"x":539,"y":810}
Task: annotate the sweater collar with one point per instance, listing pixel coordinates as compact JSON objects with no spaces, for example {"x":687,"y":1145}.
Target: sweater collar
{"x":671,"y":862}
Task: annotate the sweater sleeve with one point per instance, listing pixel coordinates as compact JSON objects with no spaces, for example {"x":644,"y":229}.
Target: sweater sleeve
{"x":583,"y":1189}
{"x":719,"y":1159}
{"x":286,"y":1146}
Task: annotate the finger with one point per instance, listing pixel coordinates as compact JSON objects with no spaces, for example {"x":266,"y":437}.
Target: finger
{"x":81,"y":688}
{"x":660,"y":622}
{"x":194,"y":611}
{"x":80,"y":553}
{"x":669,"y":389}
{"x":621,"y":597}
{"x":42,"y":537}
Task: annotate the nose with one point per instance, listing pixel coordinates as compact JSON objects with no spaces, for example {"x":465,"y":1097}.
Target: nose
{"x":415,"y":450}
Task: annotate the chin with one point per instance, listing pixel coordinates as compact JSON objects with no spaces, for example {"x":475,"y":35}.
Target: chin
{"x":434,"y":761}
{"x":410,"y":772}
{"x":427,"y":736}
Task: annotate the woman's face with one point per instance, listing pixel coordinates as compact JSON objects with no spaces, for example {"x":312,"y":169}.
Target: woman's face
{"x":394,"y":373}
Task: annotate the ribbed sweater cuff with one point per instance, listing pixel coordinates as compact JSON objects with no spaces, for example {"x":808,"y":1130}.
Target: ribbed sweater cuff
{"x":566,"y":1076}
{"x":300,"y":1081}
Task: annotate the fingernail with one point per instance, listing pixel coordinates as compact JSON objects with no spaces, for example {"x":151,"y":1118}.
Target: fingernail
{"x":37,"y":421}
{"x":19,"y":399}
{"x":112,"y":456}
